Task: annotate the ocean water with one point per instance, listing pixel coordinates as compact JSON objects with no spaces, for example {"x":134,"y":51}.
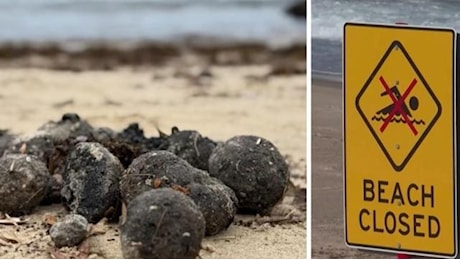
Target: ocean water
{"x":136,"y":20}
{"x":328,"y":17}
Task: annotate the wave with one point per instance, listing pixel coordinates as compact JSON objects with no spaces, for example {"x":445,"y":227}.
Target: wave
{"x":398,"y":120}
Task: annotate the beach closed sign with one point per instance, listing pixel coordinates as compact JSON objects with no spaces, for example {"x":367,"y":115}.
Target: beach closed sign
{"x":400,"y":139}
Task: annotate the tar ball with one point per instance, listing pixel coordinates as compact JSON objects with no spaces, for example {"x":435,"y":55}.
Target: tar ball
{"x":70,"y":231}
{"x":46,"y":139}
{"x":70,"y":126}
{"x":157,"y":169}
{"x":218,"y":204}
{"x":91,"y":181}
{"x":190,"y":146}
{"x":161,"y":169}
{"x":39,"y":144}
{"x":253,"y":168}
{"x":162,"y":223}
{"x":24,"y":182}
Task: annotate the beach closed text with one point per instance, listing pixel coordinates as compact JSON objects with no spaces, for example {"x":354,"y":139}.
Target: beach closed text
{"x":407,"y":224}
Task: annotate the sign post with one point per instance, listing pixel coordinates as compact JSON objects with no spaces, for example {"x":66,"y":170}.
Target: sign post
{"x":400,"y":139}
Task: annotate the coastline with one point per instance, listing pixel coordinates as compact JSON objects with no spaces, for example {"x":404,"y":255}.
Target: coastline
{"x":326,"y":81}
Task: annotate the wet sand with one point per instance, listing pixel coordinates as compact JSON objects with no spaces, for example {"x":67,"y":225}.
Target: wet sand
{"x":328,"y":239}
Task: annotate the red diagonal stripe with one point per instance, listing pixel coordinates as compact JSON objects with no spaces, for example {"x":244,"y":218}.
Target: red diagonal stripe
{"x":404,"y":96}
{"x":398,"y":105}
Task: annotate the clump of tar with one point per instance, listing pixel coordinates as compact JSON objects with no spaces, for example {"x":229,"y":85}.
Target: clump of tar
{"x":70,"y":231}
{"x":24,"y":182}
{"x":162,"y":223}
{"x":190,"y":146}
{"x":254,"y":169}
{"x":161,"y":169}
{"x":91,"y":181}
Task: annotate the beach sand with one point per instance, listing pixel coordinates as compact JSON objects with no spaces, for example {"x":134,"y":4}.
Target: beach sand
{"x":328,"y":236}
{"x":235,"y":100}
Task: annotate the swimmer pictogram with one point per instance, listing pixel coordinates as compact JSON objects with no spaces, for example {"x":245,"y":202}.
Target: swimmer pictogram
{"x":398,"y":105}
{"x":398,"y":108}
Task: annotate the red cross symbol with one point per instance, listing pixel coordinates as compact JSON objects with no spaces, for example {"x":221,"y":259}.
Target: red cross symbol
{"x":398,"y":105}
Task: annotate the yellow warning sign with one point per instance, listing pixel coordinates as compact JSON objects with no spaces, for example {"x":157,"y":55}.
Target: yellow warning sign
{"x":399,"y":138}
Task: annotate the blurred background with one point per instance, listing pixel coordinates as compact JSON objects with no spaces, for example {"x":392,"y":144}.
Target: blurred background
{"x":104,"y":33}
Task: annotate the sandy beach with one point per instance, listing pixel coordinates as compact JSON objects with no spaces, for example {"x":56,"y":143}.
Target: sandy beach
{"x":226,"y":101}
{"x":328,"y":240}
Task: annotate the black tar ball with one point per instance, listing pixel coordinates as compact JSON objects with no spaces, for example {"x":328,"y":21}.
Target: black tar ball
{"x":161,"y":169}
{"x":218,"y":204}
{"x":190,"y":146}
{"x":162,"y":223}
{"x":157,"y":169}
{"x":253,"y":167}
{"x":91,"y":180}
{"x":24,"y":181}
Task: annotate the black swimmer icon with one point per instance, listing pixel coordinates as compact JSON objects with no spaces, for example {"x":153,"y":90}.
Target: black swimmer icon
{"x":413,"y":104}
{"x":398,"y":107}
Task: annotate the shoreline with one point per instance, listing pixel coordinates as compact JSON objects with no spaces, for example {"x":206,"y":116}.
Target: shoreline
{"x":326,"y":77}
{"x":100,"y":55}
{"x":326,"y":82}
{"x":328,"y":237}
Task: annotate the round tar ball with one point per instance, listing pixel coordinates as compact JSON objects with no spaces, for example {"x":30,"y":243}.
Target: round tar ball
{"x":70,"y":231}
{"x":191,"y":146}
{"x":218,"y":204}
{"x":24,"y":182}
{"x":157,"y":169}
{"x":252,"y":167}
{"x":161,"y":169}
{"x":162,"y":223}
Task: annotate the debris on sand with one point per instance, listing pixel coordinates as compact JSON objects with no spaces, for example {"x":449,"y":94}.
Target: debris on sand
{"x":252,"y":167}
{"x":160,"y":169}
{"x":91,"y":181}
{"x":162,"y":223}
{"x":24,"y":182}
{"x":157,"y":169}
{"x":190,"y":146}
{"x":218,"y":204}
{"x":71,"y":231}
{"x":174,"y":189}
